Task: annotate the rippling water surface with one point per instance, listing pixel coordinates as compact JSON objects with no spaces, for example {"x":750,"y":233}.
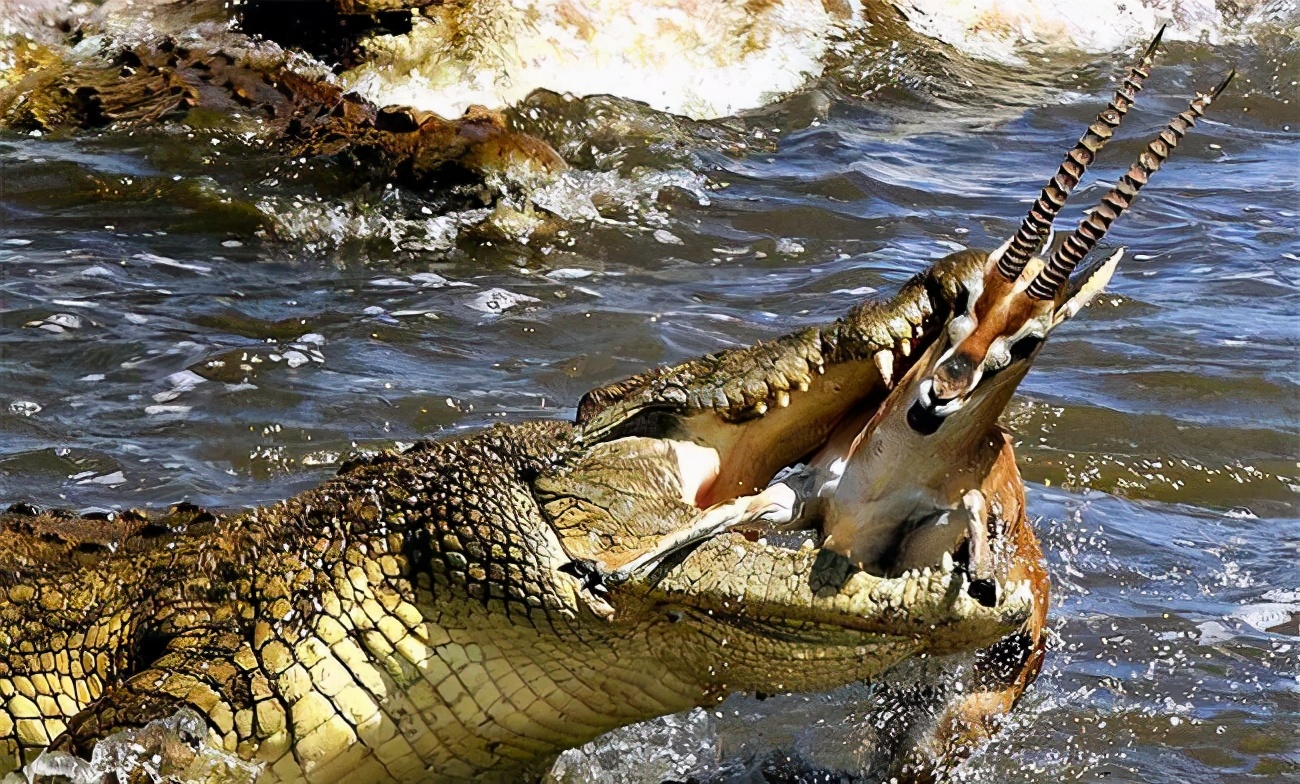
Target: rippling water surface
{"x":183,"y":315}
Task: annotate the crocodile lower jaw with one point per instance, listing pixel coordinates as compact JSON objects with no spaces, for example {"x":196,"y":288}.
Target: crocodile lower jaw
{"x":731,"y":579}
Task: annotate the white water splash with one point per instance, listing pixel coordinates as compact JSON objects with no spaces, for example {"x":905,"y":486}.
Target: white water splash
{"x":720,"y":57}
{"x":319,"y":225}
{"x":176,"y":748}
{"x":998,"y":29}
{"x":667,"y":748}
{"x":582,"y":195}
{"x":702,"y":60}
{"x":495,"y":301}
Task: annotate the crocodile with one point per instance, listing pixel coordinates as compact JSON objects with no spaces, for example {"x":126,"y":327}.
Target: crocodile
{"x":439,"y":614}
{"x":192,"y":66}
{"x":463,"y":611}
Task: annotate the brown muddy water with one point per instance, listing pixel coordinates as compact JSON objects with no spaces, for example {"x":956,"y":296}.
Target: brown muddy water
{"x":184,"y":315}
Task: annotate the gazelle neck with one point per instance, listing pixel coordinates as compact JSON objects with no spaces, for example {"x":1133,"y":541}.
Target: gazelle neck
{"x":900,"y":472}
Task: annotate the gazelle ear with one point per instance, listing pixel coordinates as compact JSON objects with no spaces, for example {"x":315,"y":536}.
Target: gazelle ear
{"x":1093,"y":283}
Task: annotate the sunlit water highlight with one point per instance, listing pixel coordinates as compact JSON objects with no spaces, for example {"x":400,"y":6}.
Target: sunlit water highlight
{"x":184,"y":317}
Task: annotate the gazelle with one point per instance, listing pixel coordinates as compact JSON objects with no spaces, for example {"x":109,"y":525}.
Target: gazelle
{"x":886,"y":486}
{"x":926,"y":454}
{"x":929,"y":478}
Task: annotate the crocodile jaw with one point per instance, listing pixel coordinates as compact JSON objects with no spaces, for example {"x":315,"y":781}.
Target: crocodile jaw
{"x":806,"y":620}
{"x":747,"y":414}
{"x":765,"y":407}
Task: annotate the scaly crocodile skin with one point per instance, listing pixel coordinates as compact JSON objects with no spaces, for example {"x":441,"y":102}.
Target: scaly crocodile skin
{"x":420,"y":616}
{"x":317,"y":633}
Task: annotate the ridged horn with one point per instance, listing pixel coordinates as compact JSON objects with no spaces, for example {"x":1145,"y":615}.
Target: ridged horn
{"x":1092,"y":228}
{"x":1038,"y":222}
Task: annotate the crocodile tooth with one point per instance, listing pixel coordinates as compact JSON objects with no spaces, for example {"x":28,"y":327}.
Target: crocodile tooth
{"x":905,"y":346}
{"x":802,"y":386}
{"x":910,"y":592}
{"x":897,"y":593}
{"x":885,"y":364}
{"x":760,"y":408}
{"x":887,"y":592}
{"x":947,"y":562}
{"x":782,"y":399}
{"x":925,"y":573}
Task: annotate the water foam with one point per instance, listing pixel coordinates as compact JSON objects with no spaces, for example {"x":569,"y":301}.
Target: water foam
{"x":701,"y":60}
{"x":176,"y":748}
{"x":320,"y":225}
{"x":998,"y":29}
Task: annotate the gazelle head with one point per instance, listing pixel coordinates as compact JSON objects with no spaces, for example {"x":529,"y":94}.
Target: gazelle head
{"x":1020,"y":298}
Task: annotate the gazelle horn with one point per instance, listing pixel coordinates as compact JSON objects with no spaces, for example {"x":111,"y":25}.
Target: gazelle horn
{"x":1092,"y":228}
{"x":1038,"y":222}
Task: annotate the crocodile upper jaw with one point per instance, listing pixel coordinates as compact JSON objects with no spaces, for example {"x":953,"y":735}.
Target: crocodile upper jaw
{"x":768,"y":406}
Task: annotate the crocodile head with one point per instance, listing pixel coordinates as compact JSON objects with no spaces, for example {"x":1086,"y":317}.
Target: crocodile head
{"x":752,"y":411}
{"x":663,"y":446}
{"x":767,"y":613}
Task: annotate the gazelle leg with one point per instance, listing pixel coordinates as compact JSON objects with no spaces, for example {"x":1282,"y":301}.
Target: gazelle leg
{"x":782,"y":504}
{"x":1001,"y":672}
{"x":943,"y":533}
{"x":983,"y":584}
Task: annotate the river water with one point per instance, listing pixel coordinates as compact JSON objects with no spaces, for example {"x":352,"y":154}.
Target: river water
{"x":183,"y":315}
